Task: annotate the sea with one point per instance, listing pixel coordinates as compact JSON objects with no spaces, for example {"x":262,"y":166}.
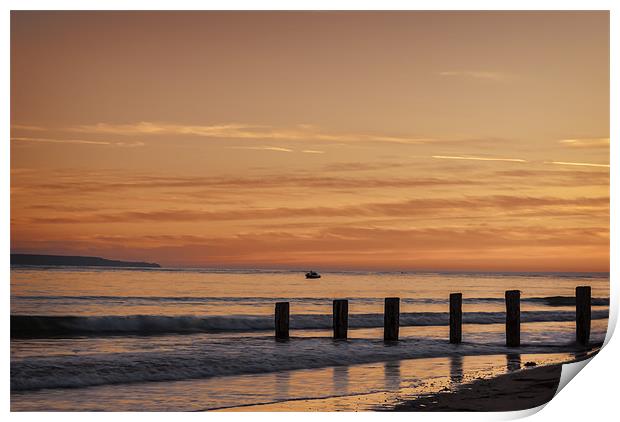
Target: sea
{"x":169,"y":339}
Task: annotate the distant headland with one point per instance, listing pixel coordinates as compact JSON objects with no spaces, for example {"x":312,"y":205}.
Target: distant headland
{"x":75,"y":261}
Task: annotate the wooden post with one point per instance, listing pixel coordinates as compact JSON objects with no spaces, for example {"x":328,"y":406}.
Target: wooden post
{"x":584,"y":313}
{"x":341,"y":318}
{"x":282,"y":323}
{"x":513,"y":318}
{"x":391,"y":318}
{"x":456,"y":317}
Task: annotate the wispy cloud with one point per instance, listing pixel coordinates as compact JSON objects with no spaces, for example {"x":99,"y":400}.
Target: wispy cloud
{"x":263,"y":148}
{"x":97,"y":182}
{"x":557,"y":177}
{"x":515,"y":160}
{"x":276,"y":148}
{"x":565,"y":163}
{"x":476,"y":74}
{"x":258,"y":132}
{"x":586,"y":143}
{"x":364,"y":166}
{"x":27,"y":127}
{"x":446,"y":207}
{"x":243,"y":131}
{"x":469,"y":157}
{"x":78,"y":141}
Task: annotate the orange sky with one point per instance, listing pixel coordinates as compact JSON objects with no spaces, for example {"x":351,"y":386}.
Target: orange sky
{"x":410,"y":140}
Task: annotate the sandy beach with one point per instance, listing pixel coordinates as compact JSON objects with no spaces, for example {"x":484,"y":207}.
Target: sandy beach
{"x":520,"y":390}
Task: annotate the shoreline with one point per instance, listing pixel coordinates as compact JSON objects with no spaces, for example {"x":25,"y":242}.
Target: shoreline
{"x":463,"y":389}
{"x":519,"y":390}
{"x":368,"y":387}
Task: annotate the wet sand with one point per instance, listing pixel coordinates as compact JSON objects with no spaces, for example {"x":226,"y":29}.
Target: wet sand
{"x":520,"y":390}
{"x":470,"y":383}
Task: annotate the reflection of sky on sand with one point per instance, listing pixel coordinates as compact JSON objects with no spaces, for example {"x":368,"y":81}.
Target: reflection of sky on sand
{"x":415,"y":378}
{"x":356,"y":387}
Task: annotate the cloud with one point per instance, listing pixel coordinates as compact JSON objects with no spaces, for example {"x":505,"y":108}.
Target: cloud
{"x":586,"y":143}
{"x":364,"y":166}
{"x":242,"y":131}
{"x":62,"y":208}
{"x":312,"y":151}
{"x":503,"y":248}
{"x":438,"y":207}
{"x":565,"y":163}
{"x":469,"y":157}
{"x":515,"y":160}
{"x":27,"y":127}
{"x":79,"y":141}
{"x":78,"y":182}
{"x":61,"y":141}
{"x":264,"y":148}
{"x":559,"y":177}
{"x":476,"y":74}
{"x":373,"y":238}
{"x":353,"y":177}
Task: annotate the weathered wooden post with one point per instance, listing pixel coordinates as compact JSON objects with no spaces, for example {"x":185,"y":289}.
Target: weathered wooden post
{"x":583,"y":296}
{"x":341,"y":318}
{"x":391,"y":315}
{"x":282,"y":320}
{"x":456,"y":317}
{"x":513,"y":318}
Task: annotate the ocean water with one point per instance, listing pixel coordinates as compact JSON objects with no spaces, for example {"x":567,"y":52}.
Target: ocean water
{"x":169,"y":339}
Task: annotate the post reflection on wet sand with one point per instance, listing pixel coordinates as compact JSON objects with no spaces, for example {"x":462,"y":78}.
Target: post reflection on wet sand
{"x":283,"y":384}
{"x":513,"y":362}
{"x":340,"y":379}
{"x":392,"y":377}
{"x":456,"y":369}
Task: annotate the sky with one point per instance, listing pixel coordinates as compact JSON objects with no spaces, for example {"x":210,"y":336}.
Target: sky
{"x":326,"y":140}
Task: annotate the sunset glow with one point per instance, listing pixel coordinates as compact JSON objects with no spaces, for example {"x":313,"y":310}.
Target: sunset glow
{"x":387,"y":141}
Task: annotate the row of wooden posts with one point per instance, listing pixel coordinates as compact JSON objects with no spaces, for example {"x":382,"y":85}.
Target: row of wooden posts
{"x":583,"y":296}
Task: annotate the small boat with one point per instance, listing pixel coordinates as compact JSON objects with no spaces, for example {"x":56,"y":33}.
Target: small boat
{"x":313,"y":274}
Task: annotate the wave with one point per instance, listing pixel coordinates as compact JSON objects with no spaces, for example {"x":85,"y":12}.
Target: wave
{"x":565,"y":301}
{"x":236,"y":357}
{"x":46,"y":326}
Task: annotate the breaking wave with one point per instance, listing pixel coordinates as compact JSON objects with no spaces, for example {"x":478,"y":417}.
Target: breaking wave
{"x":231,"y":357}
{"x":45,"y":326}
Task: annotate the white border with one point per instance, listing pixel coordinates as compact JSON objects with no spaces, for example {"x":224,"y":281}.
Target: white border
{"x":590,"y":396}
